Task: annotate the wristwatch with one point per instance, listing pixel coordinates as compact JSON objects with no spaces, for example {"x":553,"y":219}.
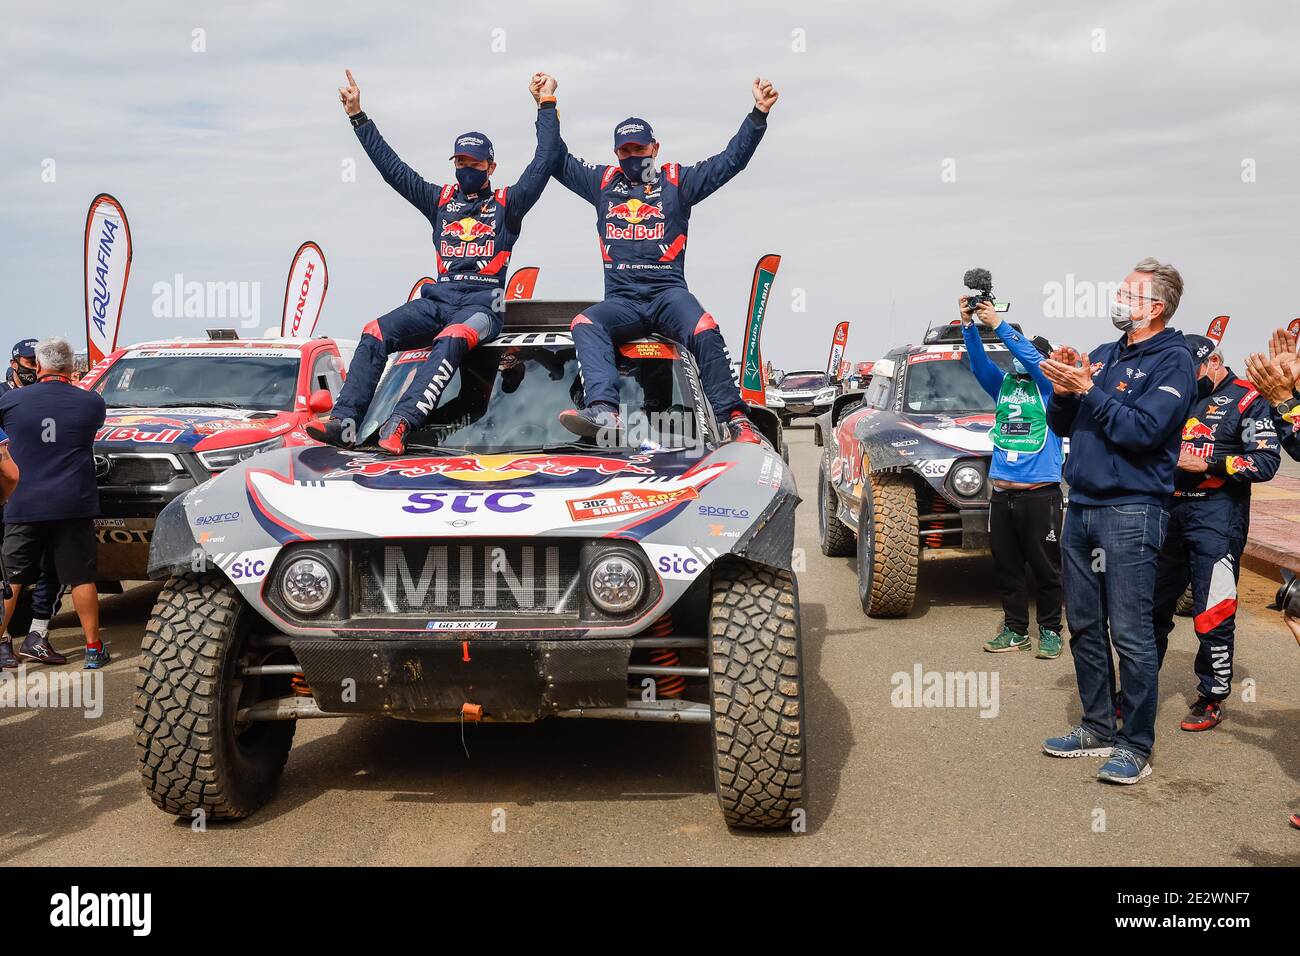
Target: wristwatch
{"x":359,"y":119}
{"x":1288,"y":409}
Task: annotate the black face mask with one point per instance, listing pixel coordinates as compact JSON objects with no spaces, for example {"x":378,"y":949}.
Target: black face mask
{"x":471,"y":180}
{"x":1204,"y":386}
{"x":25,"y":375}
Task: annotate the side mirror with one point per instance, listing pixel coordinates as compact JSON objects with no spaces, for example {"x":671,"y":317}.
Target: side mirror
{"x":320,"y":401}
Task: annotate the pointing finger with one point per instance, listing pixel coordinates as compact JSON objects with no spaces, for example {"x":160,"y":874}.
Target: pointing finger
{"x":351,"y":82}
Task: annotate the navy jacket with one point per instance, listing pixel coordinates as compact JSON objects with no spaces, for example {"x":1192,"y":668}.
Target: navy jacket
{"x":474,"y":234}
{"x":1233,"y":430}
{"x":642,"y":226}
{"x":51,"y":426}
{"x":1124,"y":434}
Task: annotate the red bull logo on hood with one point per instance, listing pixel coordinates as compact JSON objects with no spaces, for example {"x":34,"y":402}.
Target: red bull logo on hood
{"x":154,"y":429}
{"x":635,"y":213}
{"x":492,"y":467}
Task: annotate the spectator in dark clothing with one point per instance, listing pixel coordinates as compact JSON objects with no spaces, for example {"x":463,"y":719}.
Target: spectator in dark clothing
{"x":36,"y":605}
{"x":1122,"y":409}
{"x":49,"y":519}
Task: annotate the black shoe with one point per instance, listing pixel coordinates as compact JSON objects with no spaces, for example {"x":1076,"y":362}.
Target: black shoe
{"x":331,"y":432}
{"x":37,"y":648}
{"x":392,"y":437}
{"x":7,"y":659}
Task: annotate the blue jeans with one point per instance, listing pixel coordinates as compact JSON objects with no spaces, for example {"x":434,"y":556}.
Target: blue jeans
{"x":1108,"y":555}
{"x":674,"y":313}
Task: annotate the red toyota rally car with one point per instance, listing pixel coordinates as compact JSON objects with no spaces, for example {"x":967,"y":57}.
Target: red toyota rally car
{"x":182,"y":410}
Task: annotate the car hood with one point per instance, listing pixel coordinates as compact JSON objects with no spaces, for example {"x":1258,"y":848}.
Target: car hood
{"x":968,"y":433}
{"x":325,"y":492}
{"x":188,"y":429}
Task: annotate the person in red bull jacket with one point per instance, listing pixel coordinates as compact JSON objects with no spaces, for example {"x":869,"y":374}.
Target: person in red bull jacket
{"x":1228,"y":444}
{"x":475,"y":228}
{"x":642,"y":215}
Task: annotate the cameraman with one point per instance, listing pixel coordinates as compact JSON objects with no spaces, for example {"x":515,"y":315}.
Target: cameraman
{"x":1025,"y":513}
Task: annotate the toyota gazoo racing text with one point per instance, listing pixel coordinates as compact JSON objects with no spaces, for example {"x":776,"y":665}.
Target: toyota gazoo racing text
{"x":499,"y":570}
{"x":905,"y":466}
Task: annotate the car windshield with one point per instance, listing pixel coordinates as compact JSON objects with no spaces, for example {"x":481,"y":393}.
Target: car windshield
{"x":943,"y":382}
{"x":508,"y":398}
{"x":198,"y":378}
{"x":803,"y":380}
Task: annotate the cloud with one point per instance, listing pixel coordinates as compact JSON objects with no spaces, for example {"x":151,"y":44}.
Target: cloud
{"x":1067,"y":160}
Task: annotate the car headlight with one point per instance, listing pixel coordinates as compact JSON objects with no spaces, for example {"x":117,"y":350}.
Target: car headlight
{"x":824,"y":396}
{"x":774,"y":400}
{"x":616,"y":583}
{"x":307,"y":584}
{"x":967,"y":480}
{"x":224,"y":458}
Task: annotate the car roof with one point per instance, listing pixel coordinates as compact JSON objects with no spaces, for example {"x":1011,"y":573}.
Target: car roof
{"x":198,"y":344}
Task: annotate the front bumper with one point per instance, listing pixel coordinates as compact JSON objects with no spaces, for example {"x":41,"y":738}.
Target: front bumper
{"x":129,"y":511}
{"x":512,"y":680}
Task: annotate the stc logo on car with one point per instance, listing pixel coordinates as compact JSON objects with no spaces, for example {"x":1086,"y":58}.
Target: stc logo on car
{"x":635,"y":213}
{"x":468,"y":502}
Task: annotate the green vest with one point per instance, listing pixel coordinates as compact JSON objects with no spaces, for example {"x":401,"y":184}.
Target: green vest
{"x":1020,"y":424}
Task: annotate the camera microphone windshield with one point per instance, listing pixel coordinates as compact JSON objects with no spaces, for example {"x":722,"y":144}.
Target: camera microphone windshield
{"x":980,"y":279}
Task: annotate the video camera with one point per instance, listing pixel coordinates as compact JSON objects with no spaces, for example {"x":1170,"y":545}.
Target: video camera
{"x":1288,"y":596}
{"x":979,"y":289}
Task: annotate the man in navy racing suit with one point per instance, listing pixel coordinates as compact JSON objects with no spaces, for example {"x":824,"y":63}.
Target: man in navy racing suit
{"x":642,"y":215}
{"x":474,"y":230}
{"x":1229,"y":443}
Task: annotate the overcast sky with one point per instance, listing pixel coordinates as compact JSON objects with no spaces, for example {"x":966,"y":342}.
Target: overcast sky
{"x":911,"y":142}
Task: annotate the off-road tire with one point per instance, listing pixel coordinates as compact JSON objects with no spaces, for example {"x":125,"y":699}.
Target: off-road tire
{"x":187,"y":750}
{"x":837,"y":538}
{"x":889,"y":554}
{"x":757,"y":696}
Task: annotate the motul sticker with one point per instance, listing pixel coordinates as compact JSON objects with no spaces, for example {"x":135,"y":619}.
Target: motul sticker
{"x":933,"y":357}
{"x":627,"y":501}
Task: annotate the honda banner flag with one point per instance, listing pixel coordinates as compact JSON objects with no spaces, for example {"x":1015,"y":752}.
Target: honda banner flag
{"x":839,"y":341}
{"x":304,"y":292}
{"x":107,"y":268}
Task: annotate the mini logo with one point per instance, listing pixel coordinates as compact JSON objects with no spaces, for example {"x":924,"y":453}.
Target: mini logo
{"x":1051,"y":534}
